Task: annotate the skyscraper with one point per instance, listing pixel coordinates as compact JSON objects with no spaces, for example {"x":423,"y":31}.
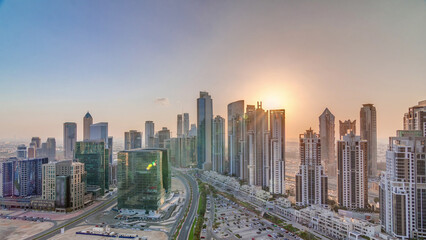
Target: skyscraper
{"x":193,"y":131}
{"x":182,"y":151}
{"x":163,"y":135}
{"x":326,"y":131}
{"x":143,"y":179}
{"x":352,"y":172}
{"x":346,"y":127}
{"x":87,"y":121}
{"x":403,"y":186}
{"x":21,"y":177}
{"x":70,"y":137}
{"x":50,"y":149}
{"x":415,"y":118}
{"x":277,"y":152}
{"x":218,"y":143}
{"x":36,"y":141}
{"x":311,"y":182}
{"x":94,"y":155}
{"x":186,"y":124}
{"x":21,"y":151}
{"x":149,"y":134}
{"x":235,"y":128}
{"x":257,"y":145}
{"x":99,"y":131}
{"x":368,"y":127}
{"x":179,"y":125}
{"x":204,"y":130}
{"x":132,"y":140}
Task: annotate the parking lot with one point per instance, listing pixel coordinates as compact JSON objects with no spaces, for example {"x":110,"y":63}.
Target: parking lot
{"x":232,"y":221}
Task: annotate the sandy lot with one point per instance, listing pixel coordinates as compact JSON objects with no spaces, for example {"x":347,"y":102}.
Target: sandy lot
{"x":70,"y":234}
{"x":19,"y":229}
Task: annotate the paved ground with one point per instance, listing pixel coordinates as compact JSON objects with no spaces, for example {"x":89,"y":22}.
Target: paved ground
{"x":20,"y":229}
{"x":236,"y":221}
{"x":52,"y":215}
{"x":70,"y":234}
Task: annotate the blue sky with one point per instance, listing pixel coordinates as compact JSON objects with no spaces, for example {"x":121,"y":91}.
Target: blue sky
{"x":59,"y":59}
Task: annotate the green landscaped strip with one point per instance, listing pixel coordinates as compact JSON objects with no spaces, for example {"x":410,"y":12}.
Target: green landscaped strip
{"x":191,"y":234}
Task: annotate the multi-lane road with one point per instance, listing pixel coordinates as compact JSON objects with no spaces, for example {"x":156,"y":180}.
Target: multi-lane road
{"x":76,"y":220}
{"x":187,"y":224}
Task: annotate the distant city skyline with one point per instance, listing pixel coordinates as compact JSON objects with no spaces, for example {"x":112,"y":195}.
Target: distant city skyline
{"x":148,"y":61}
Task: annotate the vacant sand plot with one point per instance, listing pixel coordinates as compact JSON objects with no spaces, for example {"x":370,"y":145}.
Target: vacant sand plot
{"x":19,"y":229}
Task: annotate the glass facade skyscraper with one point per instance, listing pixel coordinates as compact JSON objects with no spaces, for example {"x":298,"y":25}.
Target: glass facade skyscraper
{"x":144,"y":179}
{"x":204,"y":130}
{"x":94,"y":155}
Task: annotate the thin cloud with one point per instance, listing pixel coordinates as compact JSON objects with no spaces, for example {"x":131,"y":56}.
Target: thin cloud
{"x":162,"y":101}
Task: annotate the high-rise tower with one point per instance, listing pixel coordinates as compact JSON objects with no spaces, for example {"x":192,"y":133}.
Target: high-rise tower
{"x":277,"y":152}
{"x":70,"y":137}
{"x":326,"y":131}
{"x":235,"y":134}
{"x":346,"y":127}
{"x":204,"y":130}
{"x":311,"y":182}
{"x":179,"y":125}
{"x":218,"y":160}
{"x":87,"y":121}
{"x":149,"y":134}
{"x":368,"y":127}
{"x":352,"y":172}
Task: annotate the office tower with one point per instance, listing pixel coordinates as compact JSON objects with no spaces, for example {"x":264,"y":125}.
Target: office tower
{"x":21,"y":177}
{"x":31,"y":151}
{"x":132,"y":140}
{"x":182,"y":151}
{"x":6,"y":177}
{"x":352,"y":172}
{"x":36,"y":141}
{"x":415,"y":118}
{"x":311,"y":182}
{"x":368,"y":127}
{"x":94,"y":155}
{"x":218,"y":145}
{"x":21,"y":151}
{"x":403,"y":186}
{"x":110,"y":148}
{"x":326,"y":131}
{"x":277,"y":152}
{"x":149,"y":134}
{"x":179,"y":125}
{"x":235,"y":128}
{"x":163,"y":135}
{"x":87,"y":121}
{"x":99,"y":131}
{"x":204,"y":130}
{"x":143,"y":179}
{"x":50,"y":149}
{"x":193,"y":131}
{"x":257,"y":145}
{"x":63,"y":182}
{"x":185,"y":124}
{"x":246,"y":141}
{"x":347,"y":127}
{"x":70,"y":137}
{"x":113,"y":173}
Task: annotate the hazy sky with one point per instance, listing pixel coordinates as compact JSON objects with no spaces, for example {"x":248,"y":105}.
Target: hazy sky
{"x":132,"y":61}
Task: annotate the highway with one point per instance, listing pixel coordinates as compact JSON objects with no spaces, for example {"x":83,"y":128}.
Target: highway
{"x":183,"y":210}
{"x":74,"y":221}
{"x":187,"y":224}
